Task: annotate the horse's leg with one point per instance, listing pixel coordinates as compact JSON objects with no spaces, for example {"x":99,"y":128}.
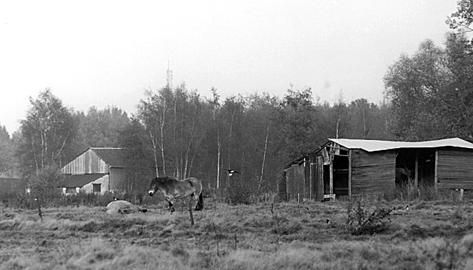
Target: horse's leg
{"x":192,"y":200}
{"x":171,"y":204}
{"x":199,"y":202}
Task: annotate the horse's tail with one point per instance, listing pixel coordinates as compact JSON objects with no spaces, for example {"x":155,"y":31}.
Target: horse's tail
{"x":200,"y":203}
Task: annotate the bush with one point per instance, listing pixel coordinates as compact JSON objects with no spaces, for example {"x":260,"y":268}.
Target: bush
{"x":44,"y":185}
{"x":361,"y":220}
{"x":240,"y":192}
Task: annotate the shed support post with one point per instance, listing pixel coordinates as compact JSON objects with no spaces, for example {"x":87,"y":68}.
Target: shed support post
{"x":349,"y":173}
{"x":312,"y":178}
{"x":320,"y":179}
{"x":436,"y":165}
{"x":331,"y":174}
{"x":416,"y":172}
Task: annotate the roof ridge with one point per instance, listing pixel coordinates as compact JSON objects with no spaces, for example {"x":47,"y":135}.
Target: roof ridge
{"x":106,"y":148}
{"x":403,"y":141}
{"x":381,"y":145}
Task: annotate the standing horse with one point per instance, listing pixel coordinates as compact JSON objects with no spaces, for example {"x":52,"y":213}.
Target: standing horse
{"x":174,"y":189}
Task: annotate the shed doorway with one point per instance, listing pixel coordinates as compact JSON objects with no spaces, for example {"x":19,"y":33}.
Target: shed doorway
{"x":338,"y":185}
{"x":340,"y":175}
{"x":415,"y":168}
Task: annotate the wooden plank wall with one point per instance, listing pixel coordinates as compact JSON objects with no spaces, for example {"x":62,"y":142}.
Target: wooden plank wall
{"x":295,"y":181}
{"x":87,"y":162}
{"x":455,"y":169}
{"x":289,"y":182}
{"x":307,"y":185}
{"x":282,"y":186}
{"x":373,"y":173}
{"x":299,"y":181}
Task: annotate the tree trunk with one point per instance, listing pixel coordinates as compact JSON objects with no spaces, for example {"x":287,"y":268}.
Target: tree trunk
{"x":218,"y":158}
{"x":176,"y":161}
{"x":155,"y":153}
{"x":35,"y":156}
{"x":260,"y":182}
{"x":189,"y":146}
{"x":163,"y":119}
{"x":337,"y":128}
{"x":42,"y":149}
{"x":229,"y":148}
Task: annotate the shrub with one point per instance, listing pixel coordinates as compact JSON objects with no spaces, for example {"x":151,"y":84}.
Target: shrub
{"x":239,"y":192}
{"x":361,"y":220}
{"x":44,"y":185}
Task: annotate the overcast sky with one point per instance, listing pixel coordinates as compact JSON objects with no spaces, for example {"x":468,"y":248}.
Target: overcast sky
{"x":99,"y":53}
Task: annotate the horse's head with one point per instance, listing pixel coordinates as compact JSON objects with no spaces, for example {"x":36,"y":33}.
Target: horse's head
{"x":153,"y":186}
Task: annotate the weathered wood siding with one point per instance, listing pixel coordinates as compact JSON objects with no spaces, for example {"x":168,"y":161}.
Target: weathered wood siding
{"x":87,"y":162}
{"x":455,"y":169}
{"x":282,"y":186}
{"x":295,"y":181}
{"x":373,"y":172}
{"x":319,"y":179}
{"x":306,"y":178}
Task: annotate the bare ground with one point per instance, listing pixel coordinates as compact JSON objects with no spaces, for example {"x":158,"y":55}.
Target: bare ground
{"x":310,"y":235}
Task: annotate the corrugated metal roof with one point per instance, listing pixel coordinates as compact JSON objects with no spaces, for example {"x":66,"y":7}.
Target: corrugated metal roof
{"x":114,"y":157}
{"x":80,"y":180}
{"x":377,"y":145}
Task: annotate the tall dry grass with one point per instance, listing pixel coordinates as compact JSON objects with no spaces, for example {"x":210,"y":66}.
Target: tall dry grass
{"x":309,"y":235}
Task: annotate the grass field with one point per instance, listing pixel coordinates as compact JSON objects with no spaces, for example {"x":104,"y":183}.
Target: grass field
{"x":428,"y":235}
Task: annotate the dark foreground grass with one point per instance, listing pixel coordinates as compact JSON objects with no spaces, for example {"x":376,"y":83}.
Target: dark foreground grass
{"x":429,"y":235}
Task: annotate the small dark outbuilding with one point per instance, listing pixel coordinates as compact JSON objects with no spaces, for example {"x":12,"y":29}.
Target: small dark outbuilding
{"x":354,"y":167}
{"x":11,"y":185}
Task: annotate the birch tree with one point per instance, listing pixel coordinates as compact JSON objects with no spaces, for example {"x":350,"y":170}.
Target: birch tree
{"x":45,"y":134}
{"x":152,"y":112}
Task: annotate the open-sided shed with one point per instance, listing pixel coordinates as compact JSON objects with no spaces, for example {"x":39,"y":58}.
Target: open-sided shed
{"x":352,"y":167}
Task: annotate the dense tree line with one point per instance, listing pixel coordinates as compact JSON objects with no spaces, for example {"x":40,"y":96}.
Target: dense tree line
{"x":178,"y":132}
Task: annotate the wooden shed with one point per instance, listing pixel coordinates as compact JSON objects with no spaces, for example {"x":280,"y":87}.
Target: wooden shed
{"x":96,"y":170}
{"x":354,"y":167}
{"x":11,"y":185}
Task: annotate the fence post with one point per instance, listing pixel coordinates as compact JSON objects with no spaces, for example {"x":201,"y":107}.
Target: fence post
{"x":190,"y":212}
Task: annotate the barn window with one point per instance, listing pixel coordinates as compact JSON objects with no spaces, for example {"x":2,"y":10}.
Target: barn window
{"x":96,"y":188}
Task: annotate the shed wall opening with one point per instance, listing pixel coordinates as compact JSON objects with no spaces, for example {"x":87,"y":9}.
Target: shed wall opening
{"x":415,"y":168}
{"x":340,"y":175}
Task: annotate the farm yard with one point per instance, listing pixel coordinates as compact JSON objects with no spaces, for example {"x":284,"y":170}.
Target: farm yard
{"x":309,"y":235}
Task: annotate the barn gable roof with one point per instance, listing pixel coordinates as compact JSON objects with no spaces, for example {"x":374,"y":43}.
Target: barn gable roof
{"x":80,"y":180}
{"x":114,"y":157}
{"x":377,"y":145}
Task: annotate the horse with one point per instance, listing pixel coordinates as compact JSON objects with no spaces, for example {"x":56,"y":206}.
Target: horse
{"x":173,"y":189}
